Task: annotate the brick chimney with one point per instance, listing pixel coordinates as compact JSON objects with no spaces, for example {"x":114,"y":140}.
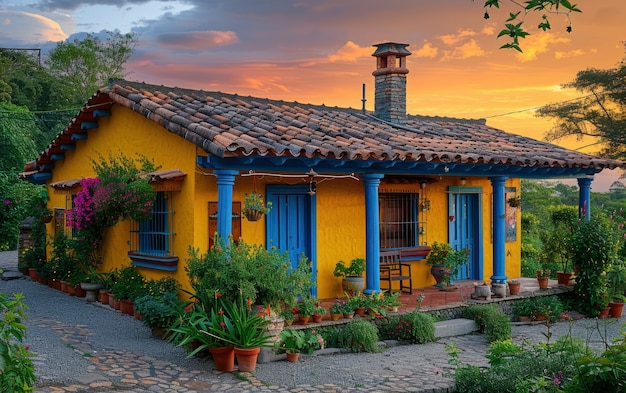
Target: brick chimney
{"x":390,"y":79}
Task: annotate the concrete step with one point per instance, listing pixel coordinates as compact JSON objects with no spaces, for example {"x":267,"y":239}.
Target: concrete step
{"x":455,"y":327}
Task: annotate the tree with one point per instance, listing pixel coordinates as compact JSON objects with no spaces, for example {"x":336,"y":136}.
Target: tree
{"x":86,"y":64}
{"x":17,"y":130}
{"x":515,"y":23}
{"x":600,"y":113}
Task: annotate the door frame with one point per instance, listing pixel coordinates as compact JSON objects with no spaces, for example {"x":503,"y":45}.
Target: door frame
{"x":299,"y":189}
{"x":478,"y":251}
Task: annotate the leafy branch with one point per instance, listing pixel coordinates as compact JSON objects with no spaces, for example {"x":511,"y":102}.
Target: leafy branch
{"x":516,"y":30}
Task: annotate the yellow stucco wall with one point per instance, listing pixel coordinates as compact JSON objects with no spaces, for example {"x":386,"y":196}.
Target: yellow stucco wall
{"x":340,"y":204}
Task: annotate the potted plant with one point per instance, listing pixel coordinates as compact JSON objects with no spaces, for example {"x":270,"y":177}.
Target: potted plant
{"x":254,"y":206}
{"x":515,"y":201}
{"x":336,"y":310}
{"x":243,"y":329}
{"x":287,"y":315}
{"x":445,"y":262}
{"x":514,"y":287}
{"x":353,"y":280}
{"x":319,"y":312}
{"x":543,"y":277}
{"x":293,"y":342}
{"x":556,"y":242}
{"x":159,"y":312}
{"x":392,"y":302}
{"x":305,"y":310}
{"x":616,"y":284}
{"x":127,"y":287}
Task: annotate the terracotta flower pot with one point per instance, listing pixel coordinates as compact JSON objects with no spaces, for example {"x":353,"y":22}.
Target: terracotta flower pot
{"x":127,"y":306}
{"x":543,"y":282}
{"x":292,"y":356}
{"x":335,"y":316}
{"x":302,"y":320}
{"x":247,"y":358}
{"x":604,"y":312}
{"x":360,"y":311}
{"x":104,"y":296}
{"x":224,"y":358}
{"x":515,"y":288}
{"x":563,"y":278}
{"x":317,"y":318}
{"x":616,"y":309}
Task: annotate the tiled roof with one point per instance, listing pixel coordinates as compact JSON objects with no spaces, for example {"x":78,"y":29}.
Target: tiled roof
{"x":226,"y":125}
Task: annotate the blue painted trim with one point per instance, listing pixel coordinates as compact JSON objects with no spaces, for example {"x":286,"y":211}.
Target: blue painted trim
{"x":584,"y":197}
{"x":303,"y":165}
{"x":101,"y":113}
{"x":66,"y":147}
{"x":499,"y":230}
{"x":47,"y":167}
{"x":57,"y":157}
{"x":78,"y":137}
{"x":88,"y":125}
{"x":225,"y":184}
{"x":372,"y":233}
{"x":168,"y":263}
{"x":39,"y":177}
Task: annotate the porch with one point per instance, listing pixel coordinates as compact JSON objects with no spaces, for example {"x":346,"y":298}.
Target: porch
{"x":451,"y":301}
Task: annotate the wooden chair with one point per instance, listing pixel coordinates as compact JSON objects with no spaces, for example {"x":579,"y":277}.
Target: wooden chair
{"x":392,"y":269}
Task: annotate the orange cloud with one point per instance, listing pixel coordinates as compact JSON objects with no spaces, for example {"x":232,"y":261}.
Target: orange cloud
{"x":197,"y":40}
{"x":572,"y":53}
{"x":350,"y":52}
{"x":534,"y":45}
{"x":453,"y":39}
{"x":427,"y":50}
{"x":465,"y":51}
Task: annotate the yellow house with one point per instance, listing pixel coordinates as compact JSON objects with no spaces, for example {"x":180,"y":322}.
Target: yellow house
{"x":344,"y":183}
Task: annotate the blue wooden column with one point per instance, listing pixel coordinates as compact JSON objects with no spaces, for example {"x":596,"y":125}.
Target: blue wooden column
{"x":225,"y":184}
{"x":499,"y":230}
{"x":372,"y":233}
{"x":584,"y":197}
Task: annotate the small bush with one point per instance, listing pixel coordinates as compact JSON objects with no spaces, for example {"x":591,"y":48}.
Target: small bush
{"x":415,"y":327}
{"x":159,"y":311}
{"x":490,"y":320}
{"x":550,"y":307}
{"x":360,"y":336}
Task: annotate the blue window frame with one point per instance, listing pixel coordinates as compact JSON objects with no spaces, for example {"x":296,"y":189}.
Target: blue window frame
{"x":152,"y":240}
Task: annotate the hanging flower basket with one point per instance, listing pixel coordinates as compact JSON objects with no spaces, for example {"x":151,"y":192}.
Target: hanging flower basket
{"x":252,"y":215}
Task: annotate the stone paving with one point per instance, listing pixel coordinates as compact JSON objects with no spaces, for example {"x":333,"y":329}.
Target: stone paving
{"x":104,"y":368}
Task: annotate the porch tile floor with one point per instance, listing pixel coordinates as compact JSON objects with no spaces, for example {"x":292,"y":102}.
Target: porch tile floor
{"x":435,"y":298}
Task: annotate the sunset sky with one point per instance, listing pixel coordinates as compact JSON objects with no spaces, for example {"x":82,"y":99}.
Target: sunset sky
{"x":319,"y":51}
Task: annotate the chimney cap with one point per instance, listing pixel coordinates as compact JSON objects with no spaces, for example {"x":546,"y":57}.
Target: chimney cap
{"x":388,"y":48}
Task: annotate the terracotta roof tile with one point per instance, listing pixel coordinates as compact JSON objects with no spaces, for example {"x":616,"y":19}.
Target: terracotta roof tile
{"x":229,"y":125}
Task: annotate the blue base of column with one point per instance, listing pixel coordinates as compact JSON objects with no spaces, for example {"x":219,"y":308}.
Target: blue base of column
{"x":498,"y":279}
{"x":370,"y":292}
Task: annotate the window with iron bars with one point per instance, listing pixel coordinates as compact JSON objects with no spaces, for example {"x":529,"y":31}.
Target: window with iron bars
{"x":399,"y":220}
{"x":154,"y":236}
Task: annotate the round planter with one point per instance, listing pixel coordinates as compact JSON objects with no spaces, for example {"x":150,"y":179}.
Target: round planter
{"x":348,"y":315}
{"x":499,"y":290}
{"x":111,"y":300}
{"x":288,"y":322}
{"x":353,"y":284}
{"x":117,"y":304}
{"x":71,"y":289}
{"x":515,"y":288}
{"x":303,"y":320}
{"x":438,"y":272}
{"x":543,"y":282}
{"x":104,"y":296}
{"x":32,"y":273}
{"x":252,"y":215}
{"x":604,"y":312}
{"x":246,"y":358}
{"x":79,"y":291}
{"x":616,"y":309}
{"x":563,"y":278}
{"x":64,"y":286}
{"x":360,"y":311}
{"x":292,"y":356}
{"x":46,"y":219}
{"x":224,"y":358}
{"x":92,"y":290}
{"x":335,"y":316}
{"x":317,"y":318}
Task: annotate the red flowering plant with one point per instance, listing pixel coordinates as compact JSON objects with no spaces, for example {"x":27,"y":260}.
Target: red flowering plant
{"x":119,"y":192}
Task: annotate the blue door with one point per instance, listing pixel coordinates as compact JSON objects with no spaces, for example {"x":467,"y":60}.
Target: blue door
{"x":291,"y":223}
{"x":464,"y":232}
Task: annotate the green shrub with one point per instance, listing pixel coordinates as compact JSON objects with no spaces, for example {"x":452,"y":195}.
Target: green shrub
{"x":542,"y":367}
{"x":17,"y":373}
{"x":264,"y":276}
{"x":360,"y":336}
{"x":159,"y":311}
{"x":415,"y":327}
{"x":490,"y":320}
{"x":550,"y":307}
